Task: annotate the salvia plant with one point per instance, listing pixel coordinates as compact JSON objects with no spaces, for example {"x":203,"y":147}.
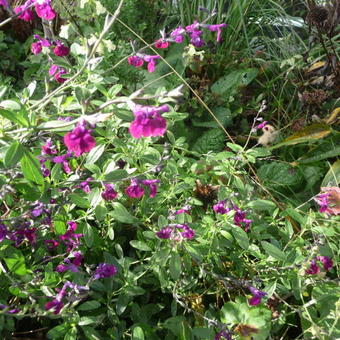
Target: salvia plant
{"x":113,"y":227}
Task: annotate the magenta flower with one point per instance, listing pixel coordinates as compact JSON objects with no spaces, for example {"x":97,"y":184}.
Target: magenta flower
{"x":257,"y":296}
{"x":109,"y":193}
{"x":8,"y":309}
{"x":240,"y":218}
{"x":161,"y":43}
{"x":55,"y":304}
{"x":261,"y":125}
{"x":315,"y":269}
{"x":85,"y":185}
{"x":178,"y":35}
{"x":176,"y":232}
{"x":223,"y":334}
{"x":61,"y":50}
{"x":326,"y":262}
{"x":51,"y":244}
{"x":71,"y":239}
{"x":148,"y":121}
{"x":79,"y":140}
{"x":44,"y":9}
{"x":220,"y":208}
{"x":4,"y":3}
{"x":71,"y":265}
{"x":164,"y":233}
{"x":48,"y":148}
{"x":151,"y":60}
{"x":104,"y":270}
{"x":57,"y":72}
{"x":152,"y":184}
{"x":186,"y":210}
{"x":196,"y":39}
{"x":218,"y":28}
{"x":36,"y":48}
{"x":26,"y":15}
{"x":134,"y":190}
{"x":3,"y":232}
{"x":135,"y":61}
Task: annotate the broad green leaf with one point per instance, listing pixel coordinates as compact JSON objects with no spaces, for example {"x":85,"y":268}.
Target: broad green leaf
{"x":95,"y":154}
{"x":262,"y":205}
{"x":13,"y":154}
{"x":57,"y":125}
{"x":241,"y":237}
{"x":80,"y":201}
{"x":59,"y":226}
{"x":31,"y":168}
{"x":58,"y":331}
{"x":88,"y":235}
{"x":100,"y":212}
{"x":116,"y":175}
{"x":294,"y":215}
{"x":16,"y":117}
{"x":140,"y":245}
{"x":175,"y":266}
{"x":89,"y":305}
{"x":230,"y":313}
{"x":121,"y":214}
{"x":273,"y":251}
{"x":87,"y":320}
{"x":14,"y":260}
{"x":10,"y":105}
{"x":137,"y":333}
{"x":95,"y":197}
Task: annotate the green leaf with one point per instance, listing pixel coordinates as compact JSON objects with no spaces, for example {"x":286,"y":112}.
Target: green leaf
{"x":262,"y":205}
{"x":87,"y":320}
{"x":273,"y":251}
{"x":137,"y":333}
{"x":59,"y":125}
{"x":79,"y":201}
{"x":59,"y":226}
{"x":88,"y":235}
{"x":13,"y":154}
{"x":294,"y":215}
{"x":31,"y":168}
{"x":211,"y":140}
{"x":89,"y":305}
{"x":332,"y":178}
{"x":10,"y":105}
{"x":121,"y":214}
{"x":15,"y":117}
{"x":140,"y":245}
{"x":58,"y":331}
{"x":231,"y":313}
{"x":95,"y":154}
{"x":241,"y":237}
{"x":116,"y":175}
{"x":100,"y":212}
{"x":95,"y":197}
{"x":14,"y":260}
{"x":175,"y":266}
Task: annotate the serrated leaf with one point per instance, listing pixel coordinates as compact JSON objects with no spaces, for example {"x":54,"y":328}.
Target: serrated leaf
{"x":273,"y":251}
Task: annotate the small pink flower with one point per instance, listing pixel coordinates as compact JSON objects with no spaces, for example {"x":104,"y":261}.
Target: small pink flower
{"x":134,"y":190}
{"x":27,"y":15}
{"x":151,"y":60}
{"x":58,"y":75}
{"x":152,"y":184}
{"x":61,"y":50}
{"x":257,"y":296}
{"x":135,"y":61}
{"x":109,"y":194}
{"x":44,"y":9}
{"x":329,"y":200}
{"x":218,"y":28}
{"x":161,"y":43}
{"x":178,"y":35}
{"x":36,"y":48}
{"x":79,"y":140}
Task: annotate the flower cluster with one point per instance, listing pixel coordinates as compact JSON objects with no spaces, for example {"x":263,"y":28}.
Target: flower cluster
{"x":23,"y":232}
{"x":43,"y":9}
{"x":70,"y":238}
{"x":329,"y":200}
{"x":136,"y":190}
{"x":176,"y":232}
{"x":59,"y":49}
{"x":315,"y":269}
{"x":148,"y":121}
{"x":257,"y":296}
{"x":57,"y":72}
{"x":109,"y":193}
{"x":239,"y":216}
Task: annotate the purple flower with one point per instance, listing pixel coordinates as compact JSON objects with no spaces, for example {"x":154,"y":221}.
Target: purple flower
{"x":44,"y":42}
{"x":51,"y":244}
{"x":134,"y":190}
{"x":3,"y":232}
{"x":109,"y":193}
{"x":223,"y":334}
{"x":218,"y":28}
{"x":187,"y":231}
{"x":148,"y":121}
{"x":36,"y":48}
{"x":71,"y":265}
{"x":71,"y":239}
{"x":161,"y":43}
{"x":44,"y":9}
{"x":135,"y":61}
{"x":257,"y":296}
{"x":322,"y":200}
{"x":178,"y":34}
{"x":326,"y":262}
{"x":239,"y":218}
{"x":57,"y":72}
{"x":48,"y":148}
{"x":61,"y":50}
{"x":79,"y":140}
{"x":104,"y":270}
{"x":196,"y":39}
{"x":152,"y":184}
{"x":55,"y":304}
{"x":186,"y":210}
{"x":85,"y":185}
{"x":8,"y":309}
{"x":4,"y":3}
{"x":27,"y":14}
{"x":220,"y":208}
{"x":164,"y":233}
{"x":313,"y":269}
{"x":151,"y":61}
